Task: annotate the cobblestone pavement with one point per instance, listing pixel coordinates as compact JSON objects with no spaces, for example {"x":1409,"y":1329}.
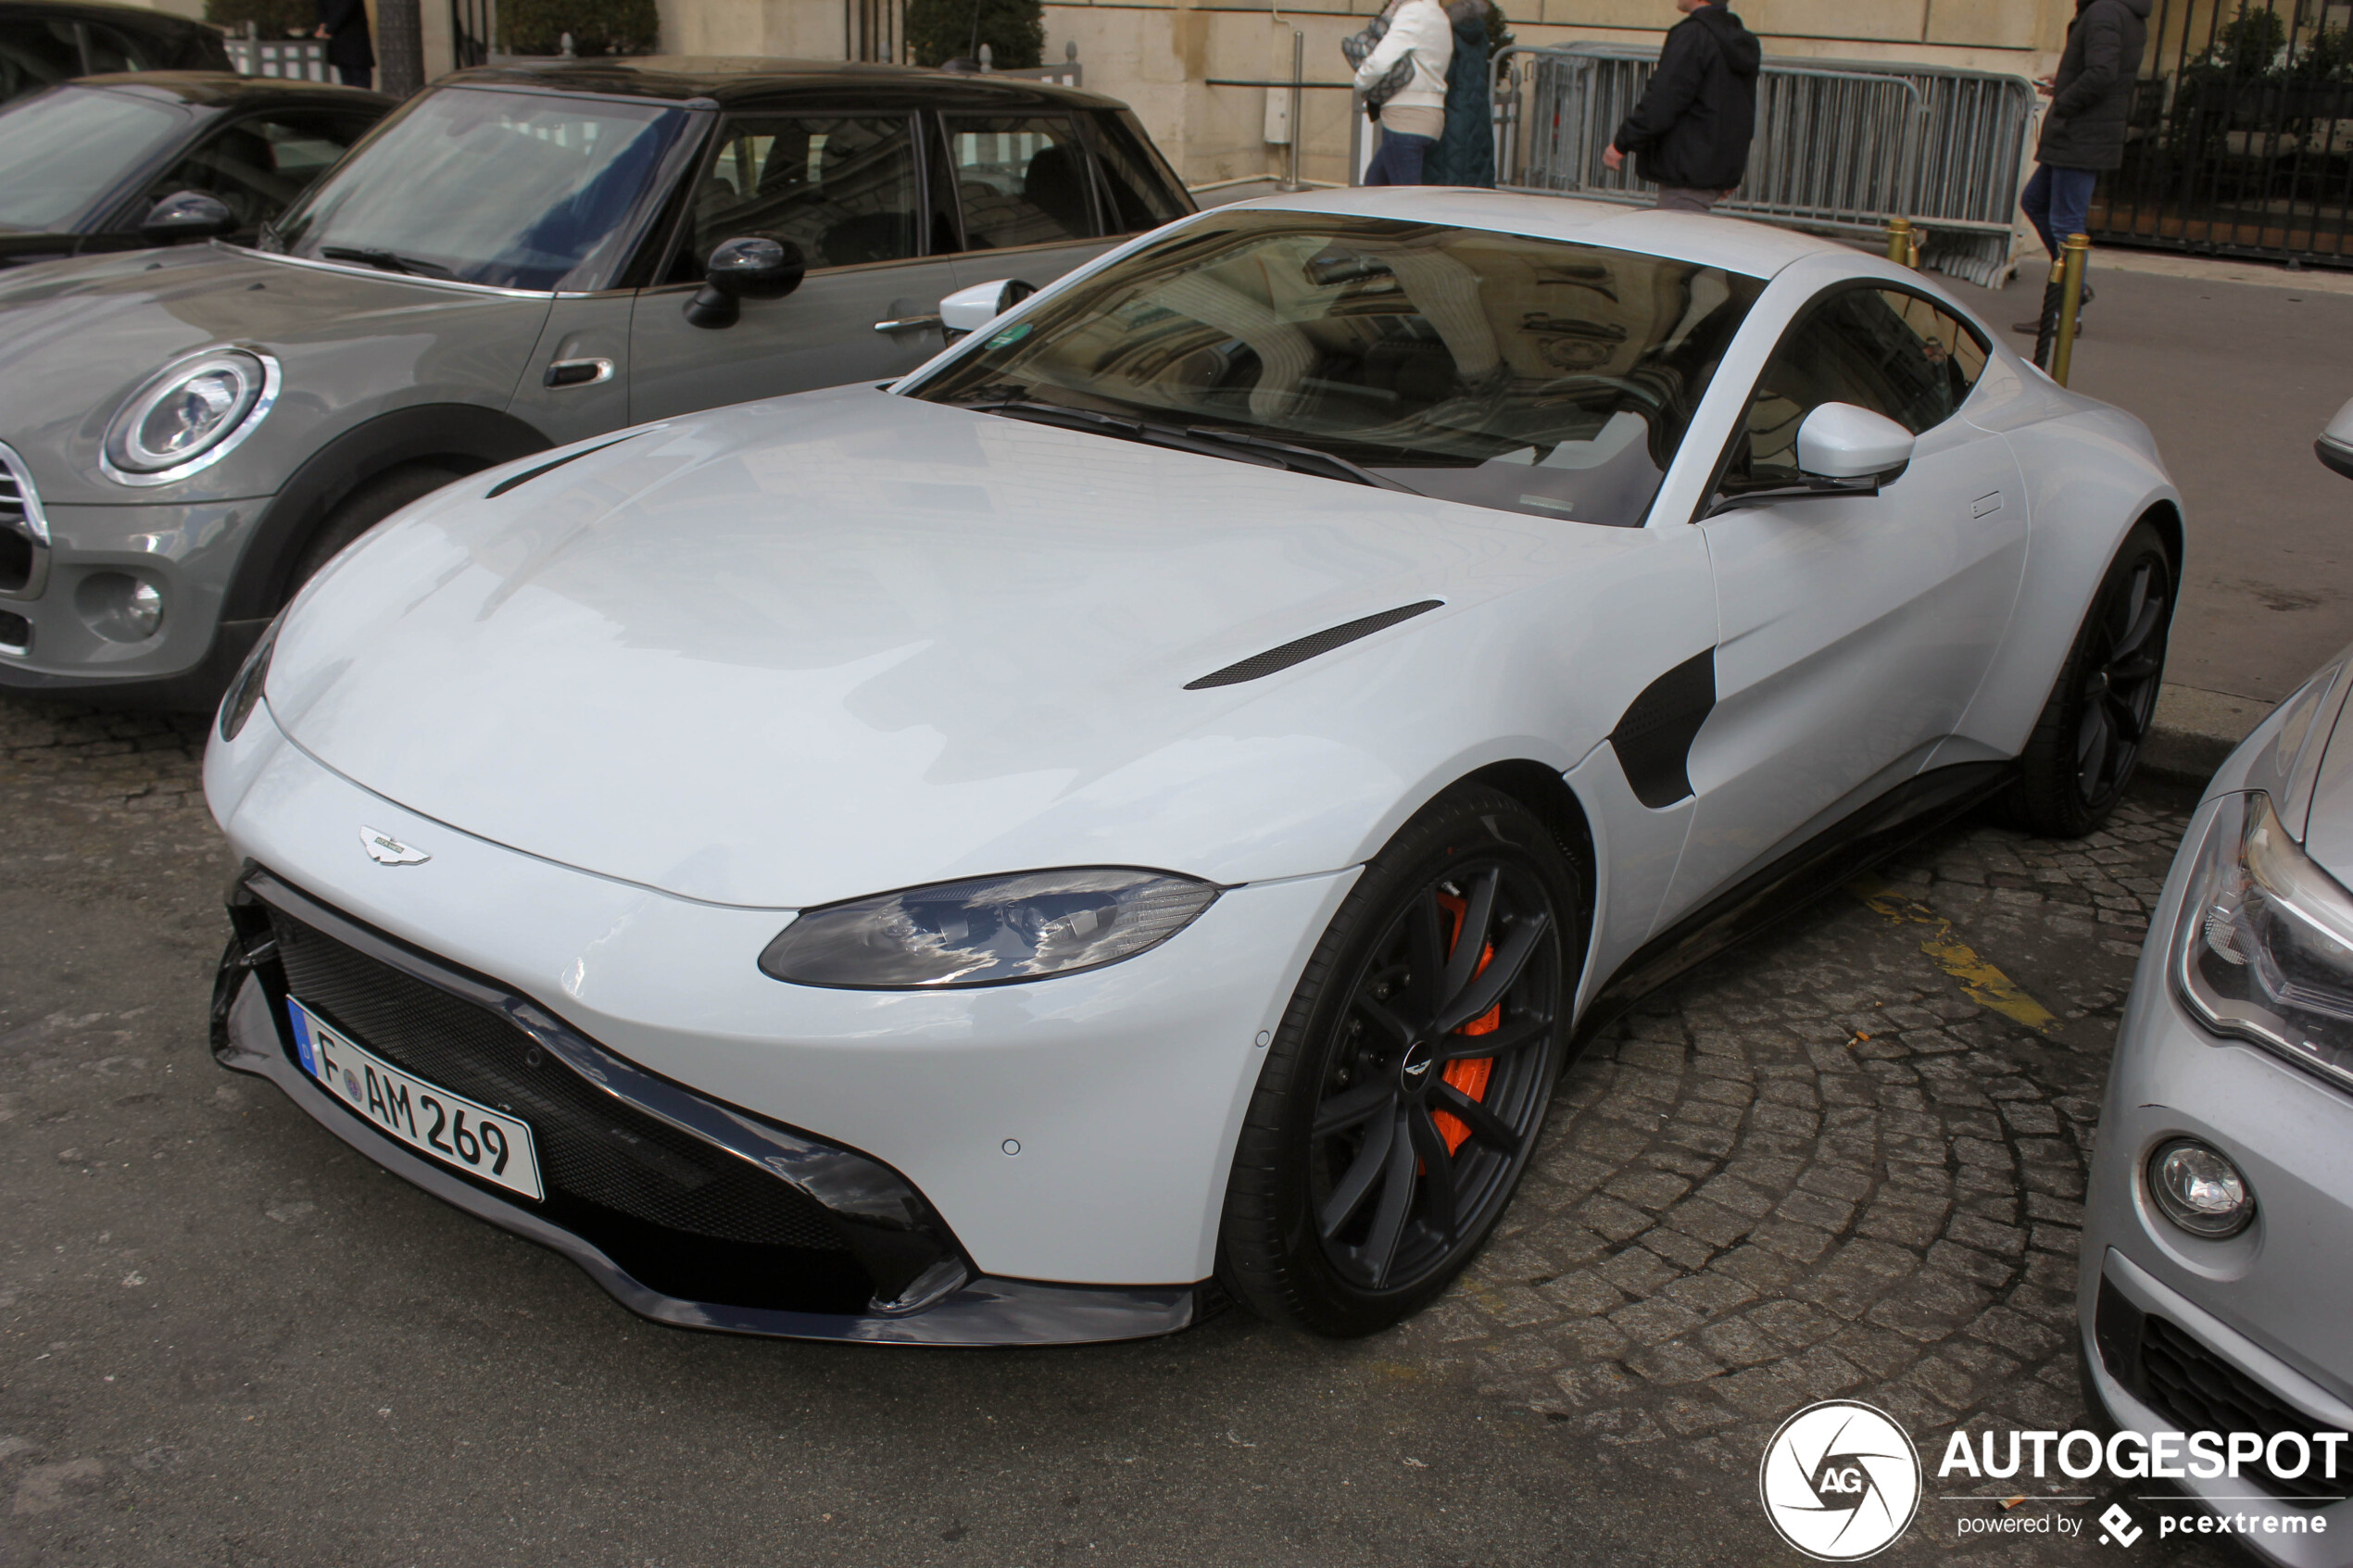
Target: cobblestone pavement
{"x":1817,"y":1167}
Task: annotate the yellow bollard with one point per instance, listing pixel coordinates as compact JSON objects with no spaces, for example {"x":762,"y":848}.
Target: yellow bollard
{"x":2072,"y":256}
{"x":1901,"y":248}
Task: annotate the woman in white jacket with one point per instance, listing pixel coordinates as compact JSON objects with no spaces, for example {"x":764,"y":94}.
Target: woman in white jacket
{"x":1412,"y":121}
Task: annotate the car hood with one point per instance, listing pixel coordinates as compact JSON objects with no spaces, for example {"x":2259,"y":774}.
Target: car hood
{"x":77,"y":337}
{"x":799,"y":652}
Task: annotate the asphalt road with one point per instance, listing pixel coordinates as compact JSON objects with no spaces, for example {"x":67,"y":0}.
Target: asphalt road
{"x":1818,"y":1167}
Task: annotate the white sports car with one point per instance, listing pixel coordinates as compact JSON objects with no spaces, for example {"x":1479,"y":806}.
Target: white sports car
{"x":1148,"y":802}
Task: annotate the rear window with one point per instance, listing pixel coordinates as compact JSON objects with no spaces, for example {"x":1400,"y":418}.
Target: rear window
{"x":1528,"y":375}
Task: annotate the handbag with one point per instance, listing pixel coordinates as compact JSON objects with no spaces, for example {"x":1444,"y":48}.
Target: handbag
{"x":1357,"y":46}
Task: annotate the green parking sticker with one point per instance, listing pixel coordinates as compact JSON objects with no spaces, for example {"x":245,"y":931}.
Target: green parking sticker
{"x":1010,"y":336}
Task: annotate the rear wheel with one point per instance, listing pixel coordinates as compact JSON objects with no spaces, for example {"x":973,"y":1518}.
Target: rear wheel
{"x":2088,"y":742}
{"x":1403,"y":1095}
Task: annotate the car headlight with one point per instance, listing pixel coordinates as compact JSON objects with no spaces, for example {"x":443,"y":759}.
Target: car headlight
{"x":244,"y":692}
{"x":989,"y":931}
{"x":189,"y":416}
{"x":2266,"y":946}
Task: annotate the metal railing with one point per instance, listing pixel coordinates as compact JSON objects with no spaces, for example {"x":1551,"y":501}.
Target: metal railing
{"x":1842,"y":145}
{"x":295,"y":59}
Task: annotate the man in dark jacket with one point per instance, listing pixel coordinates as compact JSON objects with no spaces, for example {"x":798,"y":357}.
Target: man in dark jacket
{"x":1690,"y":134}
{"x":343,"y":24}
{"x":2084,"y":133}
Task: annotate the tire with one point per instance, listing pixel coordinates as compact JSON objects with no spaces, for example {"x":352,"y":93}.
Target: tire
{"x":373,"y":501}
{"x":1351,"y":1229}
{"x":2087,"y":745}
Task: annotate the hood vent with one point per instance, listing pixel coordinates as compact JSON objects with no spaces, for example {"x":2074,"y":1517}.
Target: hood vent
{"x":516,"y":481}
{"x":1309,"y":646}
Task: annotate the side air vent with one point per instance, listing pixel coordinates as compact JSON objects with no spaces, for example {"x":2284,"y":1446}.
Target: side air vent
{"x":1279,"y":658}
{"x":1654,"y":738}
{"x":515,"y":482}
{"x":24,"y":532}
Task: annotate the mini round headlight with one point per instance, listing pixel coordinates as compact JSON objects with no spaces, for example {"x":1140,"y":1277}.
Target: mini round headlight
{"x":189,"y":416}
{"x":2195,"y":1186}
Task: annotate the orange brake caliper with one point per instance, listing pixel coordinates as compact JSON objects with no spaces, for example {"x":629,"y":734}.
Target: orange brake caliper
{"x":1469,"y":1076}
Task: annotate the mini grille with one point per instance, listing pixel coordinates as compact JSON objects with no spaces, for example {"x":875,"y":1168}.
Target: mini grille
{"x":16,"y":633}
{"x":592,"y":1146}
{"x":19,"y":527}
{"x":2202,"y":1392}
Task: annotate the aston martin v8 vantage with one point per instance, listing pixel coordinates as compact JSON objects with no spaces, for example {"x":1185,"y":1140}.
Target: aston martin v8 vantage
{"x":1139,"y":810}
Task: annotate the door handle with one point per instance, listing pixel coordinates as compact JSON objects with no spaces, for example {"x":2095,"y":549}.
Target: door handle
{"x":909,"y":323}
{"x":577,"y":372}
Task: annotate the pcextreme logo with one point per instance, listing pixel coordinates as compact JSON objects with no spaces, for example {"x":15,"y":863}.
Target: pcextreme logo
{"x":1840,"y":1481}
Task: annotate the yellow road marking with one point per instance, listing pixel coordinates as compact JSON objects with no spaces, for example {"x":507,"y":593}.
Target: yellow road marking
{"x":1986,"y":986}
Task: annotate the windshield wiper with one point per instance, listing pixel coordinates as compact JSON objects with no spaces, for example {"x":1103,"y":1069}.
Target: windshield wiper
{"x":1204,"y":439}
{"x":390,"y":261}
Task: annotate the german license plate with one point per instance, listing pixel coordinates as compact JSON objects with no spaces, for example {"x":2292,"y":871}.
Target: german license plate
{"x":449,"y":1128}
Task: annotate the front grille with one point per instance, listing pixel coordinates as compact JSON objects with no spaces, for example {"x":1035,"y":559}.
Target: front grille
{"x":2177,"y":1376}
{"x":16,"y":633}
{"x":24,"y":534}
{"x":684,"y":1217}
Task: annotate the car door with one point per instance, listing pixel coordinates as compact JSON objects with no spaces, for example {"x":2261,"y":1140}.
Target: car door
{"x":845,"y":189}
{"x":1852,"y":630}
{"x":1026,"y":193}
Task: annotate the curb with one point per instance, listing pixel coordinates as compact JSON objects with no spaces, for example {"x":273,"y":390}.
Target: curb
{"x":2194,"y":731}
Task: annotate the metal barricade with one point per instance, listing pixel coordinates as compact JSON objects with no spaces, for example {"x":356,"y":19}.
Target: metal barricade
{"x":1842,"y":145}
{"x":296,"y":60}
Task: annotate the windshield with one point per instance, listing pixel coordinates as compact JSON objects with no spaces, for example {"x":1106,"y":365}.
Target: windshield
{"x":520,"y":190}
{"x":67,"y":147}
{"x":1528,"y":375}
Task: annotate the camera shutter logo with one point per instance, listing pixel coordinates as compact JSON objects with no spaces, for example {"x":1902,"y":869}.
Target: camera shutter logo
{"x":1840,"y":1481}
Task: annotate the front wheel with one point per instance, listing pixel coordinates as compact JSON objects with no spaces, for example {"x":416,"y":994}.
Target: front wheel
{"x":1403,"y":1097}
{"x":2087,"y":743}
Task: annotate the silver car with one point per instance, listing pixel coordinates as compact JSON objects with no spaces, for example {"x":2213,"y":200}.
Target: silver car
{"x":516,"y":259}
{"x":2217,"y":1245}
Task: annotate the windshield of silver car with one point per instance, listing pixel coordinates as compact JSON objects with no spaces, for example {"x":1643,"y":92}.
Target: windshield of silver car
{"x":519,"y":190}
{"x":1522,"y":374}
{"x":65,"y":148}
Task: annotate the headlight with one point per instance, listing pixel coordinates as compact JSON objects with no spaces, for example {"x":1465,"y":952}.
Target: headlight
{"x":2266,"y":946}
{"x":990,"y":931}
{"x":189,"y":416}
{"x":244,"y":692}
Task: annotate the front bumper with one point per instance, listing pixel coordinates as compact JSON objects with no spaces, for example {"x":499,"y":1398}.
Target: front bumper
{"x":70,"y":638}
{"x":2183,"y":1333}
{"x":885,"y":1243}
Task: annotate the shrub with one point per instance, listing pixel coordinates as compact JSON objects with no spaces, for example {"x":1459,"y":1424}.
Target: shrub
{"x":598,"y":27}
{"x":274,"y":19}
{"x":940,"y":30}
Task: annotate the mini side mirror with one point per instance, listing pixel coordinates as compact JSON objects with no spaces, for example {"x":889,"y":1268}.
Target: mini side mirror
{"x":2336,"y":446}
{"x":740,"y":269}
{"x":1840,"y":442}
{"x":968,"y":310}
{"x":184,"y":216}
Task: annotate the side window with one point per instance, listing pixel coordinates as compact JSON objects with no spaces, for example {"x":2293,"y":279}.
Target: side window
{"x":110,"y":50}
{"x":840,"y":187}
{"x":1881,"y":349}
{"x":1142,"y":192}
{"x":34,"y":52}
{"x":258,"y":166}
{"x":1021,"y":180}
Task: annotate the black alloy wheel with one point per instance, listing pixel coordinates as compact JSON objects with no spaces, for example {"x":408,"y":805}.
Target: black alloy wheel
{"x":2087,"y":745}
{"x":1402,"y":1100}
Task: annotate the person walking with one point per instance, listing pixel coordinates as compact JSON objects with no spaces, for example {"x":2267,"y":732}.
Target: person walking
{"x":1690,"y":134}
{"x":343,"y":24}
{"x":1465,"y":150}
{"x":2084,"y":133}
{"x":1413,"y":117}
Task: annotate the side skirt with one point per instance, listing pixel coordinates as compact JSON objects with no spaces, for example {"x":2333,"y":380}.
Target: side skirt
{"x":1912,"y":809}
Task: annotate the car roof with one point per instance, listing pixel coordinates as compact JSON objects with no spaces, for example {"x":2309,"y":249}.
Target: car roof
{"x":133,"y":18}
{"x":751,"y":83}
{"x":1757,"y":249}
{"x":226,"y":90}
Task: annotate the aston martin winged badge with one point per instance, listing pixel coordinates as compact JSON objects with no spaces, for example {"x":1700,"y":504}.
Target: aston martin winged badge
{"x":387,"y":850}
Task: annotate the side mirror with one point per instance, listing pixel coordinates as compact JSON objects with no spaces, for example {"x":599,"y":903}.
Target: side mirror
{"x":1851,"y":445}
{"x":2336,"y":446}
{"x":184,"y":216}
{"x":740,"y":269}
{"x":969,"y":309}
